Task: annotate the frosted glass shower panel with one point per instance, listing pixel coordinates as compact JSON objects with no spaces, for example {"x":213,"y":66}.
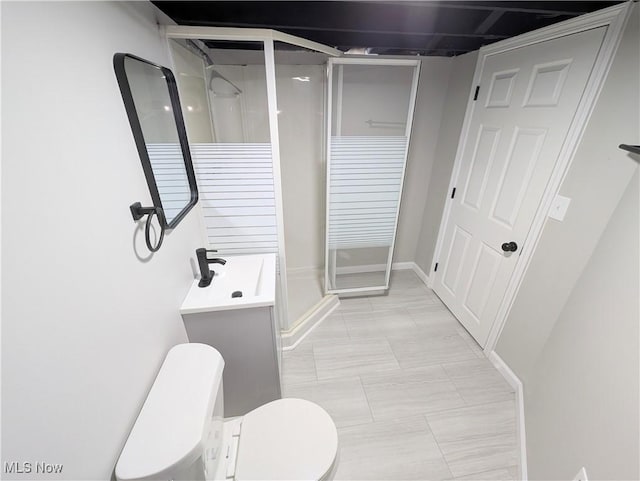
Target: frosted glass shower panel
{"x":235,"y":169}
{"x":371,"y":107}
{"x":300,"y":85}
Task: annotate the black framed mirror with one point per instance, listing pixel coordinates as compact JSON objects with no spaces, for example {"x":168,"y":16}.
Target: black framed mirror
{"x":151,"y":100}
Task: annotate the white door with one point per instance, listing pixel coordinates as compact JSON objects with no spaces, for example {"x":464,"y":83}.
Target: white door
{"x":527,"y":99}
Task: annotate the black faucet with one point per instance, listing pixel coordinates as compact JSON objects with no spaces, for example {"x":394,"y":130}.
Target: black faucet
{"x":206,"y":274}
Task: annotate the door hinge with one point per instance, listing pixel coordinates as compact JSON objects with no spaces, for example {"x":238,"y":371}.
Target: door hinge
{"x":475,"y":96}
{"x":453,"y":193}
{"x":435,"y":269}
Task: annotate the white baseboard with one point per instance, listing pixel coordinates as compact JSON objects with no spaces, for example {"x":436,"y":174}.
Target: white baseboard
{"x":310,"y":320}
{"x":396,"y":266}
{"x":515,"y":382}
{"x":305,"y":272}
{"x":420,"y":273}
{"x":402,"y":266}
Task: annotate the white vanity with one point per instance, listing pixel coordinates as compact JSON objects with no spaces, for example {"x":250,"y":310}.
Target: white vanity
{"x":242,"y":328}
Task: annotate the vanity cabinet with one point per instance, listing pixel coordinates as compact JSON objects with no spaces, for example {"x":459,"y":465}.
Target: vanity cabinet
{"x":248,"y":341}
{"x":243,"y":329}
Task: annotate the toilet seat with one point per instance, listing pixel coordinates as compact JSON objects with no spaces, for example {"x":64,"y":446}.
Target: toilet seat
{"x":287,"y":439}
{"x":181,"y":433}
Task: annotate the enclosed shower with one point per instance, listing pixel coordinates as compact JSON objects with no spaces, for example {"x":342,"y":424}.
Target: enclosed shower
{"x":300,"y":152}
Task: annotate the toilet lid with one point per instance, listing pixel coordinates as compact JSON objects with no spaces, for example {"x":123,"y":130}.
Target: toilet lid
{"x":286,"y":439}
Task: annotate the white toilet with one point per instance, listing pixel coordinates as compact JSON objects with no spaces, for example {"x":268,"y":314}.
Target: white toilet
{"x":180,"y":433}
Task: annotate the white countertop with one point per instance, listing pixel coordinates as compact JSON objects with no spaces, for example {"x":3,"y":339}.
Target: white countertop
{"x":254,"y":275}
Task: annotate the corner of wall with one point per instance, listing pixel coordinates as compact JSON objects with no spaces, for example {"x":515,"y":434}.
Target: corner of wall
{"x":430,"y":103}
{"x":459,"y":86}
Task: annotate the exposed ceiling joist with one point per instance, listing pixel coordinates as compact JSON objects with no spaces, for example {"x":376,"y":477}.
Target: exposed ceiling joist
{"x":489,"y":22}
{"x":385,"y":27}
{"x":360,"y":30}
{"x":494,"y":6}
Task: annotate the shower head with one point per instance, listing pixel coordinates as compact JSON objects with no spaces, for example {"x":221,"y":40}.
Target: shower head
{"x":215,"y":74}
{"x":209,"y":65}
{"x":198,"y":50}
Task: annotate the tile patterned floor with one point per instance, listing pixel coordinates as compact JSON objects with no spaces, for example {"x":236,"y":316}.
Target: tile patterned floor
{"x":411,"y":392}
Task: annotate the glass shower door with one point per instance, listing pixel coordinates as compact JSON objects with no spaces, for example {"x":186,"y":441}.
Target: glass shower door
{"x":228,"y":82}
{"x":370,"y":108}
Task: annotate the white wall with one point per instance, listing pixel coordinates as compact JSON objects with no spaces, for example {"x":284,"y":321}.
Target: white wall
{"x":572,"y":334}
{"x":380,"y":93}
{"x":455,"y":105}
{"x":86,"y":322}
{"x":582,"y":397}
{"x":431,"y":107}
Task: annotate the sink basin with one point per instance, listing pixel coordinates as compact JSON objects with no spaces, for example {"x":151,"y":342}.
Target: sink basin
{"x":252,"y":275}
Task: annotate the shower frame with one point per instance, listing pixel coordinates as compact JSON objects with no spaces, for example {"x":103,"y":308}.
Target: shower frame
{"x":330,"y":258}
{"x":268,"y":38}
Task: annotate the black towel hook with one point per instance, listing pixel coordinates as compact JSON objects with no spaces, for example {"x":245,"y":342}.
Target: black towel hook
{"x":634,"y":149}
{"x":138,"y":212}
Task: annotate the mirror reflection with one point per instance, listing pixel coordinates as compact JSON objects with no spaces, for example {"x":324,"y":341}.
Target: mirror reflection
{"x":151,"y":98}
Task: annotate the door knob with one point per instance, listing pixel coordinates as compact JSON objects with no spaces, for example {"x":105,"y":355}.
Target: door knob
{"x":509,"y":247}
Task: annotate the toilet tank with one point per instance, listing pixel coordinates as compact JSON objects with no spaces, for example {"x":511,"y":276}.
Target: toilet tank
{"x":179,"y":431}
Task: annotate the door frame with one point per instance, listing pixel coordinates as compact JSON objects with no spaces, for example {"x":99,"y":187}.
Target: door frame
{"x":267,"y":37}
{"x":615,"y":19}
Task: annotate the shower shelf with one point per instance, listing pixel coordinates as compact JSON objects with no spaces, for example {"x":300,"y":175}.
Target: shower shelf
{"x":634,"y":149}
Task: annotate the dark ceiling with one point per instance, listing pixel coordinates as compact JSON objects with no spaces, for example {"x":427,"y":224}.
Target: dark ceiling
{"x":442,"y":28}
